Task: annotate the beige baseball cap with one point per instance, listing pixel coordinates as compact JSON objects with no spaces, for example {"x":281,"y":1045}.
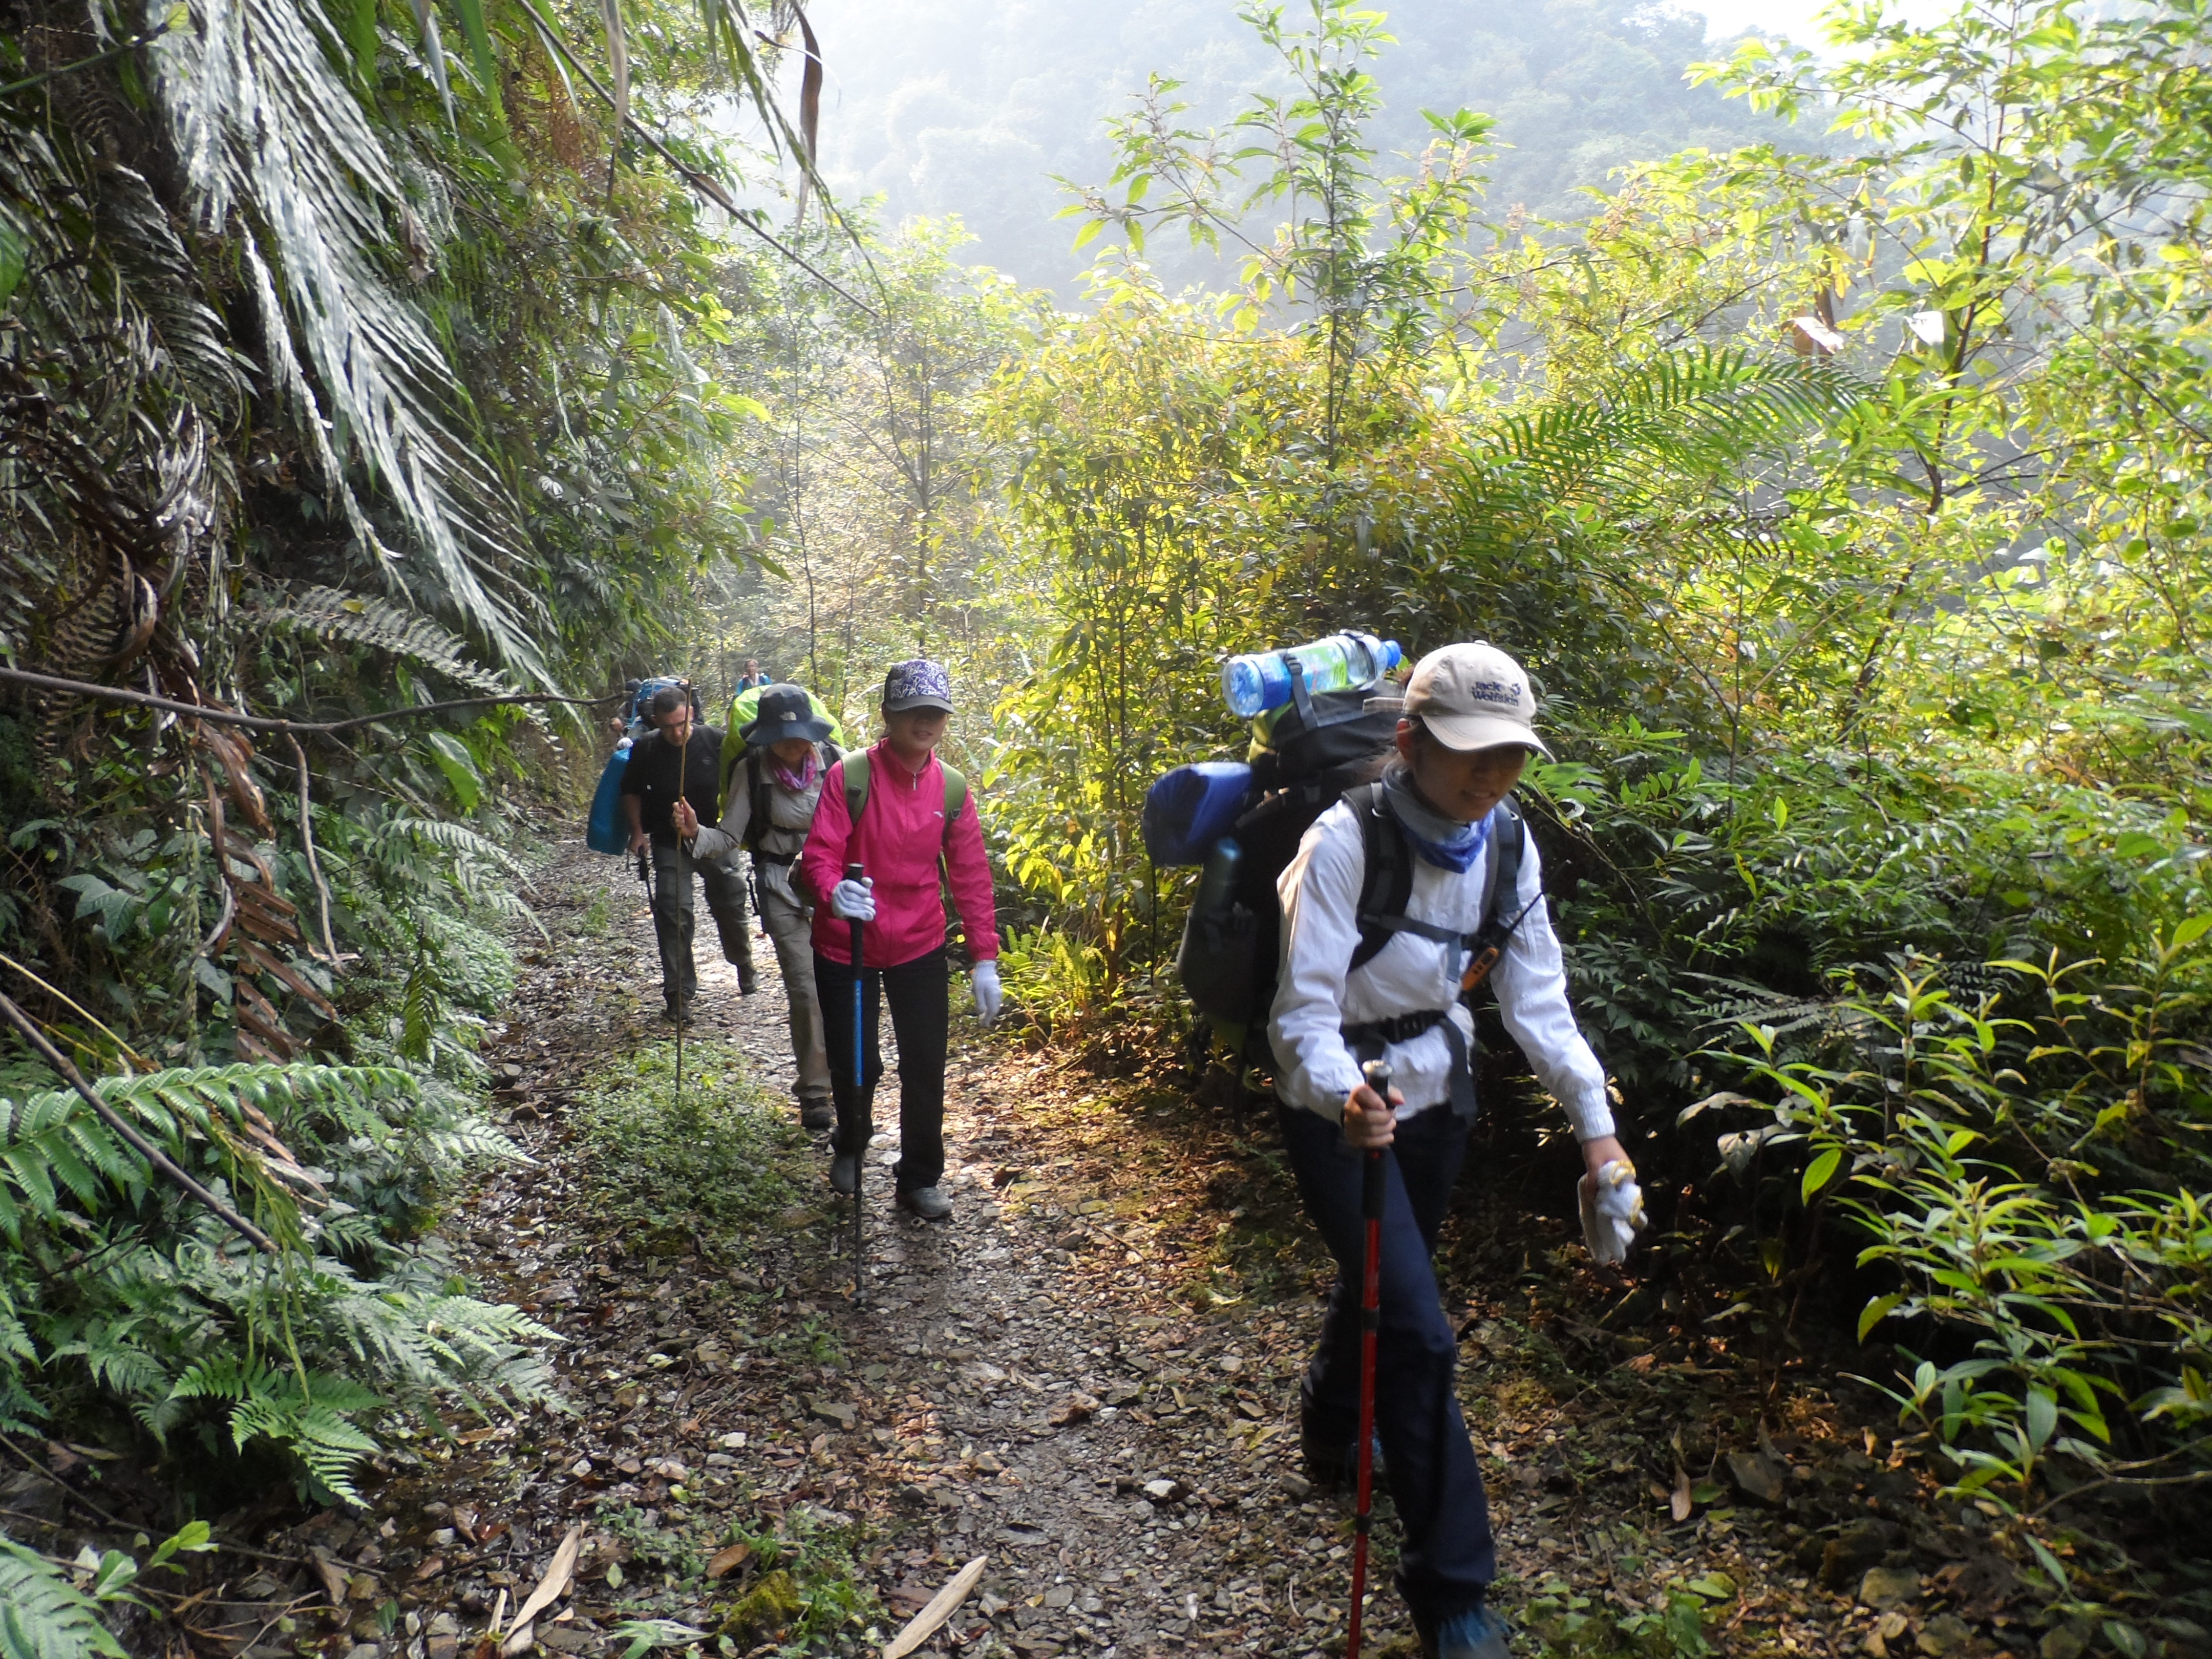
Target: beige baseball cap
{"x":1473,"y":696}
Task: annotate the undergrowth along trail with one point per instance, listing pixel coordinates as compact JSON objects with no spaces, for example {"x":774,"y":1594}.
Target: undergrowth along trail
{"x":1089,"y":1376}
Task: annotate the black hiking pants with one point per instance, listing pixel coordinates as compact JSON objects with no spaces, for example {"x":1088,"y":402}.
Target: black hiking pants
{"x":1446,"y":1558}
{"x":674,"y":917}
{"x":920,"y":1021}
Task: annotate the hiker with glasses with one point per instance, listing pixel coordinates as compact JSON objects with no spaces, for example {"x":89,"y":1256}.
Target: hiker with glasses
{"x":905,"y":818}
{"x":681,"y":759}
{"x":1359,"y":984}
{"x":769,"y":803}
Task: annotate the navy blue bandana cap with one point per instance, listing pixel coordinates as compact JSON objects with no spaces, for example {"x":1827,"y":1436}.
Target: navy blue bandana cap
{"x":917,"y":684}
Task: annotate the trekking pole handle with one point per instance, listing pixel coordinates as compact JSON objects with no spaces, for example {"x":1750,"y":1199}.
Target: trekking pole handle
{"x":1377,"y":1075}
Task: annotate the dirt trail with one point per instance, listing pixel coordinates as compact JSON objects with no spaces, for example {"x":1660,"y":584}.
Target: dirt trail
{"x":1088,"y":1375}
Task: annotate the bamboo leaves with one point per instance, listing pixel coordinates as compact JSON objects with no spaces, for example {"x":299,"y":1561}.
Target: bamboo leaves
{"x":610,"y":17}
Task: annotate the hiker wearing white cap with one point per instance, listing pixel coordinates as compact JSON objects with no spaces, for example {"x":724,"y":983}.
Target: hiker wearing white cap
{"x":1374,"y":966}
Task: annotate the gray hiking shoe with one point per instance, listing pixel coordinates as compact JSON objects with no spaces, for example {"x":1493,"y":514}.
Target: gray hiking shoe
{"x":845,"y":1173}
{"x":1477,"y":1633}
{"x":816,"y":1114}
{"x":926,"y":1202}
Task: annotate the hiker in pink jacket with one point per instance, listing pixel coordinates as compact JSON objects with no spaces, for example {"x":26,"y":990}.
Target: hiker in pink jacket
{"x":912,"y":813}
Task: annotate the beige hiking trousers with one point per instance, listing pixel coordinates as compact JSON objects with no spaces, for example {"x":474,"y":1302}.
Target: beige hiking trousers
{"x":792,"y":931}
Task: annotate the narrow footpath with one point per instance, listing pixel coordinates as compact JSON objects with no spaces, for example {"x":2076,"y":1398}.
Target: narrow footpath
{"x":1088,"y":1376}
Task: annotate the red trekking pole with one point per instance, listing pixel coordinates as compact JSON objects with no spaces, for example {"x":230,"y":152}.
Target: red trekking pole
{"x":1377,"y":1074}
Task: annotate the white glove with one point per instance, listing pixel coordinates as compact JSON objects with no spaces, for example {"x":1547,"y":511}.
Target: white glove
{"x":989,"y":998}
{"x":856,"y":900}
{"x":1613,"y":1209}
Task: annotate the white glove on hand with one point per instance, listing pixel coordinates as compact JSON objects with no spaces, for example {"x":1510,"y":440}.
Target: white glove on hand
{"x":983,"y":977}
{"x":856,"y":900}
{"x":1613,"y":1209}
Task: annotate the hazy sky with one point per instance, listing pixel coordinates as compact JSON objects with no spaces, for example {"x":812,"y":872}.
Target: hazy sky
{"x":937,"y":107}
{"x":1791,"y":17}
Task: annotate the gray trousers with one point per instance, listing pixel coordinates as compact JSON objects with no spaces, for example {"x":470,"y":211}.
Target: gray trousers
{"x":674,"y":920}
{"x":792,"y":931}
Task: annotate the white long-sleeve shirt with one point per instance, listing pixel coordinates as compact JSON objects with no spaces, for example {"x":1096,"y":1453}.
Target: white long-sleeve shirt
{"x":1316,"y":997}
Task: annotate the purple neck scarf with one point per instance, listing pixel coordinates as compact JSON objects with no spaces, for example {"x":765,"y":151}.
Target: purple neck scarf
{"x":800,"y":781}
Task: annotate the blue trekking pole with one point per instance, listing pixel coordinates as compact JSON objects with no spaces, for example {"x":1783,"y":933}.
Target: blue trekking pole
{"x":854,"y":872}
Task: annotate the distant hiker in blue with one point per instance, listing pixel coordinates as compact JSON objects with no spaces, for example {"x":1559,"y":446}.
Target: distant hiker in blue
{"x":683,"y":758}
{"x":752,"y":676}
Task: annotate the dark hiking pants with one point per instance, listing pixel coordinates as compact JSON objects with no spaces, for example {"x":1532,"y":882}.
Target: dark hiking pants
{"x":673,"y":918}
{"x":920,"y":1021}
{"x":1448,"y":1558}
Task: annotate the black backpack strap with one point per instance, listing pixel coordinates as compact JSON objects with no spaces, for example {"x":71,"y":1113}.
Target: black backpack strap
{"x":756,"y":801}
{"x":1501,"y":888}
{"x":1386,"y":883}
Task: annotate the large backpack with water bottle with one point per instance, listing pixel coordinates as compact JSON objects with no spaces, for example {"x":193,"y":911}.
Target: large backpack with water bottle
{"x":1244,"y":824}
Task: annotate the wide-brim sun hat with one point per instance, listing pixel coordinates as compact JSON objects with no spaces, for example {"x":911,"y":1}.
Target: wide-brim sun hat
{"x":917,"y":684}
{"x":784,"y":713}
{"x":1473,"y":696}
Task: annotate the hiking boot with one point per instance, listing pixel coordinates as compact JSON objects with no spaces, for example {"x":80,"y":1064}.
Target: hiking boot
{"x":678,"y":1013}
{"x":926,"y":1202}
{"x":816,"y":1115}
{"x":748,"y":979}
{"x":845,"y":1173}
{"x":1477,"y":1634}
{"x":1331,"y":1452}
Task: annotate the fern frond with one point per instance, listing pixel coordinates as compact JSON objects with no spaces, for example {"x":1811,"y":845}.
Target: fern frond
{"x":452,"y":838}
{"x":43,"y":1615}
{"x":381,"y":625}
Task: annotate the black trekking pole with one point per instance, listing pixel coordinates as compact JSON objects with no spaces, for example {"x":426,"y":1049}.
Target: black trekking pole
{"x":683,"y":874}
{"x":854,"y":872}
{"x":1377,"y":1074}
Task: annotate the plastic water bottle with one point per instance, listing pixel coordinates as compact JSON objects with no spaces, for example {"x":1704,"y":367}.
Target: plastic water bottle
{"x":1253,"y":684}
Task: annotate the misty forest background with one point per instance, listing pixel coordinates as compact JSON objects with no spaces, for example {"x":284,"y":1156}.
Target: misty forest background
{"x":1826,"y":431}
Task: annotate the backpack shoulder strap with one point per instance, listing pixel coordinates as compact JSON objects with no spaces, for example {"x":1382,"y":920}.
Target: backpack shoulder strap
{"x":1501,"y":887}
{"x":1386,"y":883}
{"x":856,"y":785}
{"x":756,"y":796}
{"x":955,"y":797}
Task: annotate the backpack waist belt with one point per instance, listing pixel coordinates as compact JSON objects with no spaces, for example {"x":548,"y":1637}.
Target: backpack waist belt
{"x":1369,"y":1038}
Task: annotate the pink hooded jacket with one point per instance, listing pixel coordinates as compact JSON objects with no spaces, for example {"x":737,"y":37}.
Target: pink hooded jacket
{"x":901,"y":835}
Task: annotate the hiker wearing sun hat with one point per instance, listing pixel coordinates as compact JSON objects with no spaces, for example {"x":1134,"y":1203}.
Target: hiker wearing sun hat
{"x":903,"y":816}
{"x":772,"y":781}
{"x":1378,"y":973}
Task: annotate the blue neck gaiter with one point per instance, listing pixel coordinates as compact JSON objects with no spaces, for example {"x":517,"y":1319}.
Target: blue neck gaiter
{"x":1445,"y":843}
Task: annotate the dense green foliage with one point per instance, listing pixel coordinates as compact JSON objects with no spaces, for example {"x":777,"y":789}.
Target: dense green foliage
{"x":338,"y":376}
{"x":1844,"y":504}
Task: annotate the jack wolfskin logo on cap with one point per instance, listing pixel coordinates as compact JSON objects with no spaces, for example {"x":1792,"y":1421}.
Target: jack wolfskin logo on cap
{"x":1496,"y":691}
